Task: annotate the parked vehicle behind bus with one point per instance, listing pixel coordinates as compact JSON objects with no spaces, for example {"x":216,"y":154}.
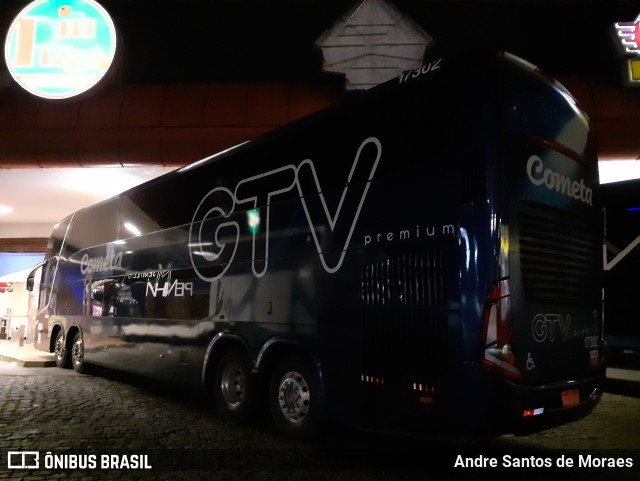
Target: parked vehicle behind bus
{"x":423,"y":255}
{"x":621,"y":201}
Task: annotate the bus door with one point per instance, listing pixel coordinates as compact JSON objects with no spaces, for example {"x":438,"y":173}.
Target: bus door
{"x":40,"y":283}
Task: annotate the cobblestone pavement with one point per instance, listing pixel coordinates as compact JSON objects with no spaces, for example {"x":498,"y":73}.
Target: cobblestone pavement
{"x":79,"y":419}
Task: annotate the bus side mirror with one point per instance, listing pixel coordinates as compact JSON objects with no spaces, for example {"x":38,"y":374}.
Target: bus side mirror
{"x":37,"y":270}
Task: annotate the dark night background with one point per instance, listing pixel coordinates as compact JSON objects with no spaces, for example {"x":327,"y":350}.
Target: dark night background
{"x":236,"y":40}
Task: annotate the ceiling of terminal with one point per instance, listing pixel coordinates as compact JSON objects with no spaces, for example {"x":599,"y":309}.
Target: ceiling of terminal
{"x":239,"y":40}
{"x":206,"y":41}
{"x":48,"y":195}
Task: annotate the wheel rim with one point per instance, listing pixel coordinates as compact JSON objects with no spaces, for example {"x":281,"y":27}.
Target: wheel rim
{"x":59,"y":348}
{"x":77,"y":352}
{"x":233,"y":384}
{"x":294,"y":397}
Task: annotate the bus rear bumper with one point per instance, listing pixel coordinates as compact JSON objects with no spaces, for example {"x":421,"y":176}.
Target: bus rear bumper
{"x":544,"y":408}
{"x":523,"y":409}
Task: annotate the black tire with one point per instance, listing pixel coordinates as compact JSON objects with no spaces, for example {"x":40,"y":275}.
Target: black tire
{"x":233,"y":391}
{"x":60,"y":351}
{"x":77,"y":354}
{"x":295,"y":398}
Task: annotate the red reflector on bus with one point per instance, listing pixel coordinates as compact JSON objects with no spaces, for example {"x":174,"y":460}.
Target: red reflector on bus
{"x":532,"y":412}
{"x":497,"y":336}
{"x":372,"y":379}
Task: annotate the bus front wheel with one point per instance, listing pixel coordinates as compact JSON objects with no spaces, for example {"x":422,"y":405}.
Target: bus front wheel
{"x":295,"y":398}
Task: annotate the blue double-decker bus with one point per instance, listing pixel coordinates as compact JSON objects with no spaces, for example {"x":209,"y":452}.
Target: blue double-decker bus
{"x":426,"y":254}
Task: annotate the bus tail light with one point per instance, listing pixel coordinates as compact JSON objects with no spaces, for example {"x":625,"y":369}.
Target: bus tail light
{"x":497,"y":339}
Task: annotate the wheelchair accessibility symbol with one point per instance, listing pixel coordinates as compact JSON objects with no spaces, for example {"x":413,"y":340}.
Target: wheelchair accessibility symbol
{"x":530,"y":364}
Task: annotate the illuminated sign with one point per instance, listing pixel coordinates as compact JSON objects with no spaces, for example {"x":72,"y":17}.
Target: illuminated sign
{"x":57,"y":49}
{"x":628,"y":34}
{"x":633,"y":69}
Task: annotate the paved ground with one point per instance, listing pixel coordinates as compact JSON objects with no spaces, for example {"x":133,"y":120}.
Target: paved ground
{"x":24,"y":355}
{"x":78,"y":419}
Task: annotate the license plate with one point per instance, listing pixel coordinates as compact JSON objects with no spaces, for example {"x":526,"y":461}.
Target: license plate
{"x":570,"y":398}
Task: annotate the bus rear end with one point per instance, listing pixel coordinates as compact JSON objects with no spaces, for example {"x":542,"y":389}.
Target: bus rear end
{"x":541,"y":338}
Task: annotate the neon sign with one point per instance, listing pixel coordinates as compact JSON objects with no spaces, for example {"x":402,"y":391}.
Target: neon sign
{"x":628,"y":34}
{"x":57,"y":49}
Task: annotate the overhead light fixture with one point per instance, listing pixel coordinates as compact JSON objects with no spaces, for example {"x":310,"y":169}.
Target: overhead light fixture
{"x":5,"y":209}
{"x":618,"y":170}
{"x":132,"y":228}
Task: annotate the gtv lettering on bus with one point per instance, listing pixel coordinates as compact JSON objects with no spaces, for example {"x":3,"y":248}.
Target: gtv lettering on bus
{"x":561,"y":183}
{"x":546,"y":327}
{"x":218,"y":248}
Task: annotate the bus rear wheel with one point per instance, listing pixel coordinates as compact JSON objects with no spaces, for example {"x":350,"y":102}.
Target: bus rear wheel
{"x":77,"y":354}
{"x":60,"y":350}
{"x":295,"y":398}
{"x":232,"y":387}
